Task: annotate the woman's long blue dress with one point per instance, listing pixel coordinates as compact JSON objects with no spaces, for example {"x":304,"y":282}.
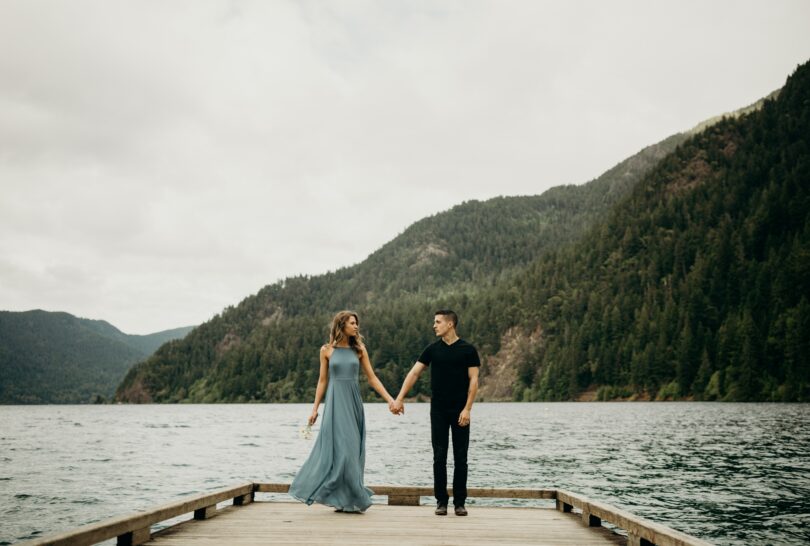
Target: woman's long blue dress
{"x":333,"y":472}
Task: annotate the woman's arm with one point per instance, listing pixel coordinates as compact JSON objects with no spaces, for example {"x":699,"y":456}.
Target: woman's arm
{"x":373,"y":380}
{"x":323,"y":381}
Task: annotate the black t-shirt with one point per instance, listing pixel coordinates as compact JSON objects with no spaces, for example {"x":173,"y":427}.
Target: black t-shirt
{"x":449,"y":379}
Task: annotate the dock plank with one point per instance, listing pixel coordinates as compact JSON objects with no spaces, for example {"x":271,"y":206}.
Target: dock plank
{"x":297,"y":524}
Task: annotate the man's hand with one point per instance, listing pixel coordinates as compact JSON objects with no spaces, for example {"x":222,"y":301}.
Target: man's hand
{"x":396,"y":407}
{"x":464,"y":418}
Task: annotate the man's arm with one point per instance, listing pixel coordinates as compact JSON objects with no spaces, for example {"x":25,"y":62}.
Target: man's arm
{"x":464,"y":416}
{"x":410,"y":380}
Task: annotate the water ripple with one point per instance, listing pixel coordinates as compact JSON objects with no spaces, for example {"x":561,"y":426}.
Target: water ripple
{"x":729,"y":473}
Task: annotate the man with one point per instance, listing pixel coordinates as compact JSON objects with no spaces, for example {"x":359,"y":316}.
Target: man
{"x":454,"y":382}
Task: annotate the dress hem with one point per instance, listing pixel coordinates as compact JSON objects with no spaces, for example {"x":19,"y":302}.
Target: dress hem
{"x":348,"y":509}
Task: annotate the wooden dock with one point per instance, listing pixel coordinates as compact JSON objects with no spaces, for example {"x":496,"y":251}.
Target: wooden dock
{"x":298,"y":524}
{"x":576,"y":521}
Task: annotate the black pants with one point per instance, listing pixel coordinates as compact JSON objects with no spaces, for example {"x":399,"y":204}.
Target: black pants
{"x":440,"y":421}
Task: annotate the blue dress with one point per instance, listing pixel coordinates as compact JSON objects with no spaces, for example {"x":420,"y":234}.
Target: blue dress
{"x":333,"y":472}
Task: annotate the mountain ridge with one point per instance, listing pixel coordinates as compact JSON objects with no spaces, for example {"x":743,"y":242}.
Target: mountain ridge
{"x":481,"y":257}
{"x":696,"y":285}
{"x":258,"y":349}
{"x":568,"y":211}
{"x":56,"y":357}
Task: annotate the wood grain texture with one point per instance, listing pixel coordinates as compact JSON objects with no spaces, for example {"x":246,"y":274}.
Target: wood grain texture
{"x":298,"y":524}
{"x":294,"y":523}
{"x":110,"y":528}
{"x":637,"y":527}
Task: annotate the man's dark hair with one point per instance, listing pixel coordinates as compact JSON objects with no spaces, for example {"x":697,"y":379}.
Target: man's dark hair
{"x":450,"y":315}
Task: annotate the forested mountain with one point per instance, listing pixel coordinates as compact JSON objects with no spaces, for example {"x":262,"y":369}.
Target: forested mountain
{"x":145,"y":344}
{"x":50,"y":357}
{"x":266,"y":347}
{"x":681,"y":273}
{"x":697,"y":285}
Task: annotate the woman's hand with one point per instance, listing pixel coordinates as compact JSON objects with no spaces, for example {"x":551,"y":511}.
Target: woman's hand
{"x":313,"y":418}
{"x":396,"y":407}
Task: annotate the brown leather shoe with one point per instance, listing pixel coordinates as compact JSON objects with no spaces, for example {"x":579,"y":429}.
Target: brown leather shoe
{"x":461,"y":511}
{"x":441,"y":510}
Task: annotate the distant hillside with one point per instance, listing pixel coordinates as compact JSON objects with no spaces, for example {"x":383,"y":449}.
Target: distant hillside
{"x":700,"y":127}
{"x":58,"y":358}
{"x":263,"y":349}
{"x":663,"y":278}
{"x":145,"y":344}
{"x":697,"y":285}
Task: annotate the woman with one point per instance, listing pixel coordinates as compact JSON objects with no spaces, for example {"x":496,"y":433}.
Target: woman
{"x":333,"y":473}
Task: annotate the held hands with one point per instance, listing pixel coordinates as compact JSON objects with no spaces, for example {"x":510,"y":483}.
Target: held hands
{"x":464,"y":418}
{"x":396,"y":407}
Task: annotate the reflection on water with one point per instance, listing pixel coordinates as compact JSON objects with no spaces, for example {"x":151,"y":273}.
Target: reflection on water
{"x":728,"y":473}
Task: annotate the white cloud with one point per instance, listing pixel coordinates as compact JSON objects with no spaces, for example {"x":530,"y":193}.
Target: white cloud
{"x":161,"y":160}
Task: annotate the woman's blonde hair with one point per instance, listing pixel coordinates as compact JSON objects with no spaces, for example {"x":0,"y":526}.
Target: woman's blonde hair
{"x":336,"y":334}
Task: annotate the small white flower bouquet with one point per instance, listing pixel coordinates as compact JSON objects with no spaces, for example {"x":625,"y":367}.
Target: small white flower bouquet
{"x":305,"y":432}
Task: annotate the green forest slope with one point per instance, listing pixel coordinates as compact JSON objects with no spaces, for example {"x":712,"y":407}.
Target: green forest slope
{"x":50,"y":357}
{"x":266,"y":347}
{"x":697,"y":285}
{"x":683,"y":276}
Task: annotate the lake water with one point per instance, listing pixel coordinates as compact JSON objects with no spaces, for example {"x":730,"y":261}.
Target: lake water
{"x":727,"y":473}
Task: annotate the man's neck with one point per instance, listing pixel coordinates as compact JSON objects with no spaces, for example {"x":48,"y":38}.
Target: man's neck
{"x":450,"y":337}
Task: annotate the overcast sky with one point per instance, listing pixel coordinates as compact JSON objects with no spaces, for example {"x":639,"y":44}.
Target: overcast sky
{"x":162,"y":160}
